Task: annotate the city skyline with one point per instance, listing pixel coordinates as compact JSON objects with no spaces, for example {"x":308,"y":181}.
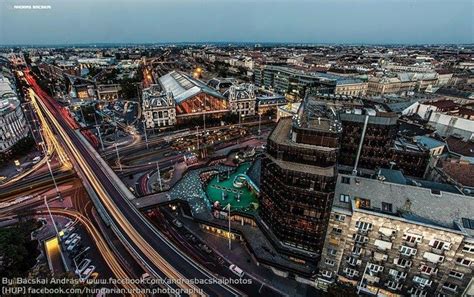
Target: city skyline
{"x":310,"y":22}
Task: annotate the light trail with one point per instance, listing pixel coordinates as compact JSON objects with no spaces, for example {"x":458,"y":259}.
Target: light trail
{"x":144,"y":247}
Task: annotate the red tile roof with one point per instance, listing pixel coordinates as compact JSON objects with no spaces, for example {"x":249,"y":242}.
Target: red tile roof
{"x":462,"y":173}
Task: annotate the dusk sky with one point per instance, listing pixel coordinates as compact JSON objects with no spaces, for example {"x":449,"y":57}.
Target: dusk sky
{"x":318,"y":21}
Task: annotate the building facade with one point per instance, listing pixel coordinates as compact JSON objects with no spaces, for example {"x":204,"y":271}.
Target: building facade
{"x":369,"y":141}
{"x":298,"y":176}
{"x":159,"y":109}
{"x":242,"y":99}
{"x":193,"y":98}
{"x":396,"y":239}
{"x":13,"y":126}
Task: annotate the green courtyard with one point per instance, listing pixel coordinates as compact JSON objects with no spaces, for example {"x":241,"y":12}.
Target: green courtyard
{"x":237,"y":189}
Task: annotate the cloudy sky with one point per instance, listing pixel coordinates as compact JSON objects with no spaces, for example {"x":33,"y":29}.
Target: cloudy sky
{"x":316,"y":21}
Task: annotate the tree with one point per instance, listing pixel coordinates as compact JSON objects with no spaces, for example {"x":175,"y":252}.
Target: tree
{"x":341,"y":290}
{"x":17,"y":252}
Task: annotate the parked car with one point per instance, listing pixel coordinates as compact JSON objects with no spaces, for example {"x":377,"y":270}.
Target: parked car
{"x":87,"y":273}
{"x":70,"y":238}
{"x":177,"y":223}
{"x":82,"y":266}
{"x":73,"y":244}
{"x":236,"y":270}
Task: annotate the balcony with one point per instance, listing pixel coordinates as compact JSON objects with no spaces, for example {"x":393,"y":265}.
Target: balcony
{"x":433,"y":258}
{"x":383,"y":245}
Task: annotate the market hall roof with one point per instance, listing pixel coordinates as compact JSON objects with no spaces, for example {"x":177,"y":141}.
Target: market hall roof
{"x":184,"y":86}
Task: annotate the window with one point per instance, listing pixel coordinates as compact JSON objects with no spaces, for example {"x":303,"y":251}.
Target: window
{"x":356,"y":250}
{"x":464,"y":262}
{"x":387,"y":207}
{"x":468,"y":248}
{"x":337,"y":231}
{"x":456,"y":274}
{"x":412,"y":238}
{"x":375,"y":268}
{"x":339,"y":217}
{"x":422,"y":281}
{"x":329,"y":262}
{"x":350,"y":272}
{"x":327,"y":274}
{"x":407,"y":251}
{"x":402,"y":262}
{"x":417,"y":292}
{"x":393,"y":285}
{"x":360,"y":238}
{"x":344,"y":198}
{"x":439,"y":245}
{"x":332,"y":252}
{"x":450,"y":287}
{"x":363,"y":226}
{"x":425,"y":269}
{"x":362,"y":203}
{"x":397,"y":274}
{"x":346,"y":180}
{"x":352,"y":261}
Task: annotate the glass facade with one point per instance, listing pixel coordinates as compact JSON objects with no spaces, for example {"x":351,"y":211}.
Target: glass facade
{"x":298,"y":178}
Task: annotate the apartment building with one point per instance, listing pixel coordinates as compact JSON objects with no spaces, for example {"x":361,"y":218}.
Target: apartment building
{"x":393,"y":236}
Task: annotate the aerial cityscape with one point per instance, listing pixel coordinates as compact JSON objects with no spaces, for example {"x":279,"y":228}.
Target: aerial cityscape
{"x":237,"y":148}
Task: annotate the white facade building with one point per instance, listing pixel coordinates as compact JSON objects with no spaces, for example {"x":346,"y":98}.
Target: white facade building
{"x":13,"y":125}
{"x":242,"y":99}
{"x":159,"y":109}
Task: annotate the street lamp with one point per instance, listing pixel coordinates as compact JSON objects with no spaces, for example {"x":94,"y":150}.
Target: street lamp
{"x":118,"y":156}
{"x":197,"y":136}
{"x":45,"y":151}
{"x":100,"y":136}
{"x":159,"y":175}
{"x":230,"y":240}
{"x":146,"y":136}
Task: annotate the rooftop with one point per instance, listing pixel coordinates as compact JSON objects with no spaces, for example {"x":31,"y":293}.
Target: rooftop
{"x":182,"y":86}
{"x":317,"y":115}
{"x":423,"y":204}
{"x":461,"y":147}
{"x":428,"y":142}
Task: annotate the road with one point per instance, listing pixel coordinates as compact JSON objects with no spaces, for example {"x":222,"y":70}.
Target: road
{"x":151,"y":248}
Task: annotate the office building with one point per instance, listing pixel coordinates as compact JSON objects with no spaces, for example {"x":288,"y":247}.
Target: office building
{"x":298,"y":177}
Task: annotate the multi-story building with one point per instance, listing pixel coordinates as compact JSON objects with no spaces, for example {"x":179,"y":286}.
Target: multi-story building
{"x":293,"y":83}
{"x":242,"y":99}
{"x":13,"y":126}
{"x":108,"y":92}
{"x":369,"y":140}
{"x":159,"y":108}
{"x":398,"y":237}
{"x":402,"y":82}
{"x":298,"y":176}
